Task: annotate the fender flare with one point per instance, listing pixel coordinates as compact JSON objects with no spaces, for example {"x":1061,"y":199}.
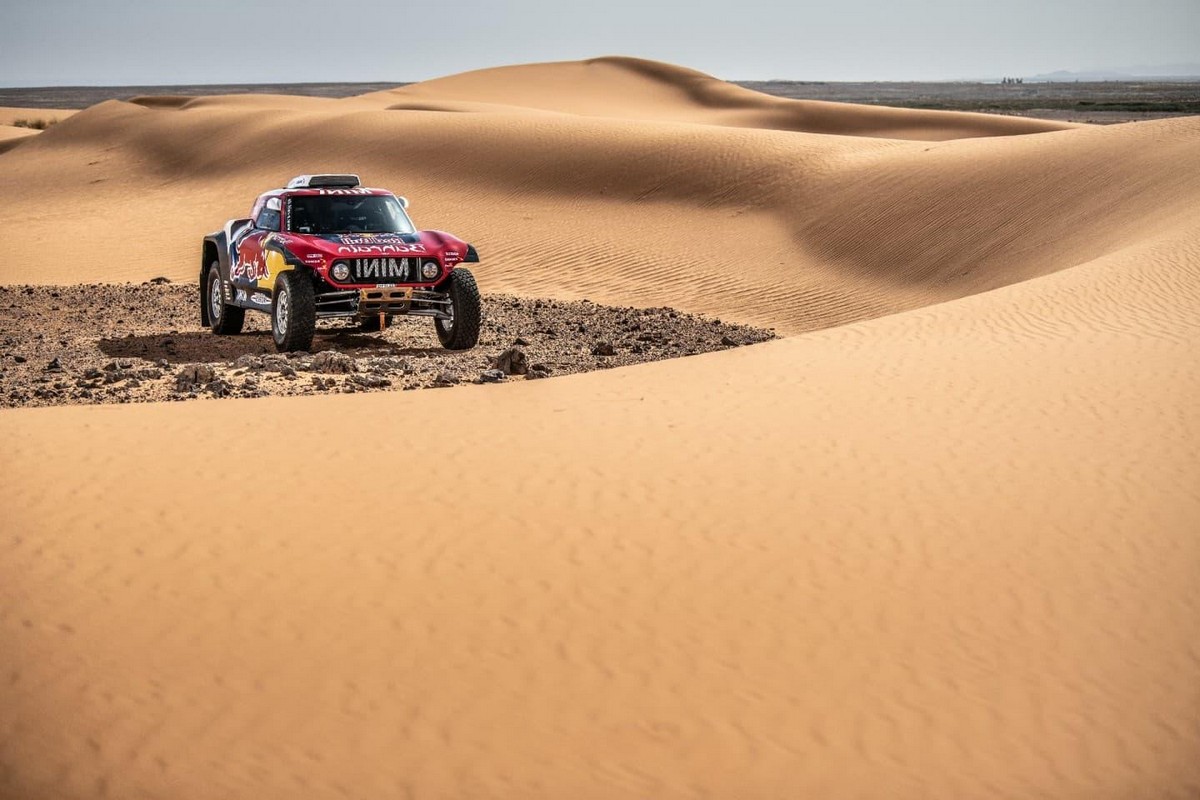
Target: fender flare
{"x":213,"y":242}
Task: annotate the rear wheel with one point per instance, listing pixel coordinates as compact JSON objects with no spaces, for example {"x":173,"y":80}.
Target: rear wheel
{"x":461,"y":331}
{"x":224,"y":319}
{"x":293,"y":312}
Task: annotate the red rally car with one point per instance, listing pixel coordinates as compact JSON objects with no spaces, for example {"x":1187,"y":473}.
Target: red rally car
{"x":324,"y":247}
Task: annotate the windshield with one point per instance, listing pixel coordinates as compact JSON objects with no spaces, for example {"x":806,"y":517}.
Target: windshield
{"x":321,"y":214}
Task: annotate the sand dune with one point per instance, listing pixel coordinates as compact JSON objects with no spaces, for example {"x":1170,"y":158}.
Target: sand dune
{"x":631,"y":88}
{"x":942,"y":544}
{"x":790,"y":229}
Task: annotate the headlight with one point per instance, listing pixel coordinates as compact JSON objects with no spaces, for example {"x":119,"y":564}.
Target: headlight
{"x":340,"y":271}
{"x":430,"y":269}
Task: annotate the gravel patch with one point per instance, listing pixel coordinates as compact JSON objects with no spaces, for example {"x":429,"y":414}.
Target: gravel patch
{"x":123,"y":343}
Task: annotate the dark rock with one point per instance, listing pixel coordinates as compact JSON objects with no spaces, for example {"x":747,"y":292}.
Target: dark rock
{"x":333,"y":363}
{"x":520,"y":341}
{"x":604,"y":349}
{"x":159,"y":281}
{"x":248,"y":362}
{"x":445,"y":378}
{"x":20,"y":359}
{"x":492,"y":375}
{"x":512,"y":361}
{"x":219,"y":388}
{"x":728,"y":342}
{"x":193,"y":375}
{"x":370,"y":381}
{"x":54,"y":366}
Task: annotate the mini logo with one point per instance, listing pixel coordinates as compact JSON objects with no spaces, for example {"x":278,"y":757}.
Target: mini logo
{"x":382,"y":268}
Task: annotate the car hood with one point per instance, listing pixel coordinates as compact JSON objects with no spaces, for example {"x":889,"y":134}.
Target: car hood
{"x":434,"y":243}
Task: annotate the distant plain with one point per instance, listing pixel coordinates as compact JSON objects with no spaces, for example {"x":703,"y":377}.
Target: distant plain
{"x":1075,"y":101}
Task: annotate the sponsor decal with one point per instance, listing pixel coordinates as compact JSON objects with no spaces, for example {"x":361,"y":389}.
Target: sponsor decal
{"x":260,"y":299}
{"x":344,"y":191}
{"x":241,"y":295}
{"x":379,"y":249}
{"x":250,"y":272}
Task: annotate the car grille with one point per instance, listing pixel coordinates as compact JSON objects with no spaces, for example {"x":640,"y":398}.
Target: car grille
{"x":384,"y":270}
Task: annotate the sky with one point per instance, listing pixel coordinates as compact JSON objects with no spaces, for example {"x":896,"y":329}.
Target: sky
{"x":143,"y":42}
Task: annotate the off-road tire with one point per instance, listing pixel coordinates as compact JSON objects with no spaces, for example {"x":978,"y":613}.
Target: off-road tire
{"x":371,"y":323}
{"x":226,"y":320}
{"x":293,"y":311}
{"x":463,"y":332}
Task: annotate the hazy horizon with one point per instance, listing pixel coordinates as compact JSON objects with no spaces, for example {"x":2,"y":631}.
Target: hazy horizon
{"x":144,"y":43}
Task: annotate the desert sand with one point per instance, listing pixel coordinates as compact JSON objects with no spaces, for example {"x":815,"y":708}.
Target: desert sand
{"x":940,"y":541}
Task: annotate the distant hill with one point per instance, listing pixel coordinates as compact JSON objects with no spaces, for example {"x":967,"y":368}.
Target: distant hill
{"x":1161,"y":72}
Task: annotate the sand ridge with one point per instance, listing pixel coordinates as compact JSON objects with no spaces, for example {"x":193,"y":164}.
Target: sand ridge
{"x":939,"y":544}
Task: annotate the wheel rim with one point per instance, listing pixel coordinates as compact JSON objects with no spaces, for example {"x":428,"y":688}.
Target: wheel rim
{"x":214,"y":298}
{"x":282,"y":313}
{"x":448,"y":324}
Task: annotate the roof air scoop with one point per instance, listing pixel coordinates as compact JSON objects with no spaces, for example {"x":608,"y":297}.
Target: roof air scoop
{"x":323,"y":182}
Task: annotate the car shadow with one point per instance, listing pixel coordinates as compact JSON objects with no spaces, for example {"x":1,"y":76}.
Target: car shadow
{"x":203,"y":347}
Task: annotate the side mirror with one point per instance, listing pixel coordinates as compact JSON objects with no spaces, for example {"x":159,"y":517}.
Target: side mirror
{"x":403,"y":202}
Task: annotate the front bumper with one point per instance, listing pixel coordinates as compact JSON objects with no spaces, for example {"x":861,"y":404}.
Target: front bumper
{"x":394,"y":300}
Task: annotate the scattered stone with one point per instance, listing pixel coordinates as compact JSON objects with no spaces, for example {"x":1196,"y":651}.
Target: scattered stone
{"x":370,"y":381}
{"x":159,"y":281}
{"x":512,"y":361}
{"x":55,"y":365}
{"x":248,"y":362}
{"x":194,"y":375}
{"x":334,"y":363}
{"x":726,"y":341}
{"x":493,"y":375}
{"x":219,"y":388}
{"x":445,"y":378}
{"x":604,"y":349}
{"x":20,"y":359}
{"x":521,"y":341}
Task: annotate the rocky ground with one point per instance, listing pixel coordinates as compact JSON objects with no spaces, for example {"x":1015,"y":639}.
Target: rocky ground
{"x":121,"y":343}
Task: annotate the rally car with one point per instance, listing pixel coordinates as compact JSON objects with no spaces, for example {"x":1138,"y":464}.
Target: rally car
{"x":324,"y":247}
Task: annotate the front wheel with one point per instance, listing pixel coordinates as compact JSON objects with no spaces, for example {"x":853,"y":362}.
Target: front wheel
{"x":225,"y":320}
{"x":293,"y":312}
{"x":461,"y":331}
